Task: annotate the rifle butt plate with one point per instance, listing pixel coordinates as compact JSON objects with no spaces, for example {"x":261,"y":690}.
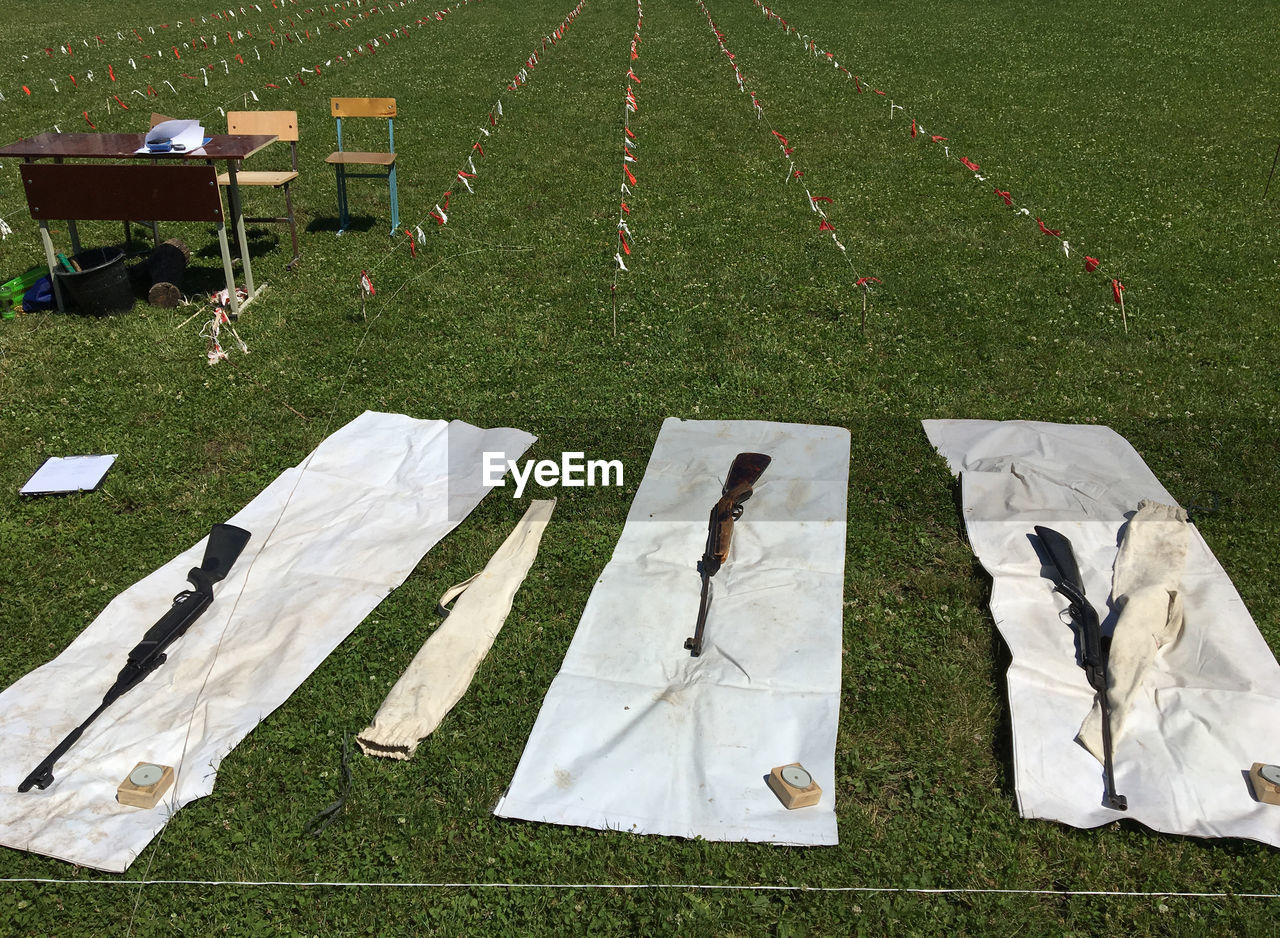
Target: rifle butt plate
{"x":145,"y":785}
{"x":794,"y":786}
{"x":1265,"y":779}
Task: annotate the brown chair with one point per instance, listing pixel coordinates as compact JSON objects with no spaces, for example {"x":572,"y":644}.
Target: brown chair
{"x":284,"y":125}
{"x":341,"y":159}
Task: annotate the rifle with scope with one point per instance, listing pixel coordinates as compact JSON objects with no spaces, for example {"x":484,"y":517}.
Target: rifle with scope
{"x":226,"y":541}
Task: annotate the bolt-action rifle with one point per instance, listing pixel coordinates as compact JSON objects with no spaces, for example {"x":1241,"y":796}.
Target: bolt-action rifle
{"x":1066,"y":577}
{"x":746,"y":469}
{"x":226,"y":541}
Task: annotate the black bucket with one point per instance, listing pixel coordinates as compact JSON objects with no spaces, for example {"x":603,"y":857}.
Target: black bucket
{"x":101,"y":285}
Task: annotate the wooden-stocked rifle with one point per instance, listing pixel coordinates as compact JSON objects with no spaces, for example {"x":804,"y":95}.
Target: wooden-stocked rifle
{"x":746,"y":469}
{"x":1066,"y":577}
{"x":226,"y":541}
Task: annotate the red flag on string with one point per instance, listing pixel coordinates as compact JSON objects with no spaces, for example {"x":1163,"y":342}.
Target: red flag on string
{"x":826,"y":226}
{"x":111,"y":72}
{"x":820,"y":198}
{"x":476,"y":146}
{"x":1008,"y":198}
{"x":1053,"y":232}
{"x":1116,"y":289}
{"x":970,"y":164}
{"x":857,"y":84}
{"x":863,"y":281}
{"x":913,"y":128}
{"x":936,"y":137}
{"x":626,"y":249}
{"x":630,"y":176}
{"x":95,"y":127}
{"x":625,"y":209}
{"x":413,"y":249}
{"x":1090,"y":264}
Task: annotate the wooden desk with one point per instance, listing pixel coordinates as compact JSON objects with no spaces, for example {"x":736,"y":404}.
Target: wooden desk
{"x":228,"y":148}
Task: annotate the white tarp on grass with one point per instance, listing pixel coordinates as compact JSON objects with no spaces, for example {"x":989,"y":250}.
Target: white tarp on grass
{"x":1209,"y":705}
{"x":331,"y":539}
{"x":634,"y":733}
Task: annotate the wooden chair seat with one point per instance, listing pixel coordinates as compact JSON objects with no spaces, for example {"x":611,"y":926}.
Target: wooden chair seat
{"x":358,"y":157}
{"x":258,"y":178}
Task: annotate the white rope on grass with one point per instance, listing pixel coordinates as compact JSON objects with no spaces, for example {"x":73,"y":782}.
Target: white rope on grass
{"x":705,"y":887}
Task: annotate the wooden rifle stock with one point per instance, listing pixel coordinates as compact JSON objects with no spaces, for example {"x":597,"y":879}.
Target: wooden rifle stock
{"x":743,"y":473}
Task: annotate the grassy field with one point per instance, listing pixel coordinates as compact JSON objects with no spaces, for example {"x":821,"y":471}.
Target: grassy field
{"x":1143,"y":131}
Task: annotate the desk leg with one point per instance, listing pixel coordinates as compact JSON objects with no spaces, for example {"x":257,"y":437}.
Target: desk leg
{"x":51,"y":257}
{"x":232,"y":299}
{"x":233,"y":196}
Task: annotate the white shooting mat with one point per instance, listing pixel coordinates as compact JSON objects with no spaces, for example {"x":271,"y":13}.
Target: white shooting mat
{"x":1208,"y":708}
{"x":331,"y":539}
{"x":637,"y":735}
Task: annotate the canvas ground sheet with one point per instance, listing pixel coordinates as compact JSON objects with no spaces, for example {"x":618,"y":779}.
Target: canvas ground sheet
{"x":330,"y":539}
{"x":637,"y":735}
{"x":1208,"y":706}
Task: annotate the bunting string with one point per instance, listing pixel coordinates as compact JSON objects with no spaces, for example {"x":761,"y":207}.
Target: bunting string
{"x":631,"y":107}
{"x":917,"y":132}
{"x":788,"y":154}
{"x":465,"y":178}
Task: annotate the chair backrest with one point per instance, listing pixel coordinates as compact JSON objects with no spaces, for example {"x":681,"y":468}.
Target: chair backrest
{"x":121,"y":192}
{"x":365,"y":107}
{"x":362,"y":107}
{"x":283,"y":124}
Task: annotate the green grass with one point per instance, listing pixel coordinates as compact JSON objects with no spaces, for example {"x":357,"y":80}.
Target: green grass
{"x":1145,"y":132}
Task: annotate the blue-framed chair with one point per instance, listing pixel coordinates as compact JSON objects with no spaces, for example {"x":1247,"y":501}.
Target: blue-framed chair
{"x":385,"y":162}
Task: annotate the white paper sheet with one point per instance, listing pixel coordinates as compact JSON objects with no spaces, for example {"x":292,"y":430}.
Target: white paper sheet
{"x":187,"y":137}
{"x":330,"y":540}
{"x":634,"y":733}
{"x":1210,"y":705}
{"x":59,"y":474}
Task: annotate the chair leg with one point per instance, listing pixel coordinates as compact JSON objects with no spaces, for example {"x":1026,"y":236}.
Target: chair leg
{"x":395,"y":201}
{"x":293,"y":227}
{"x":342,"y":197}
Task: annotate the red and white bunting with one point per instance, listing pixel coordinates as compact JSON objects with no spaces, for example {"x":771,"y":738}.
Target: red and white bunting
{"x":630,"y":143}
{"x":811,"y":49}
{"x":788,"y":150}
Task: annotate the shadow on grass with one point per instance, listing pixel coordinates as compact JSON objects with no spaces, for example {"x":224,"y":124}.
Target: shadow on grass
{"x":361,"y":223}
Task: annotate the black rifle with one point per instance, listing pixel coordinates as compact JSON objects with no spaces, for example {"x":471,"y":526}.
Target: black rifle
{"x":1066,"y":577}
{"x":746,"y":469}
{"x":226,"y":541}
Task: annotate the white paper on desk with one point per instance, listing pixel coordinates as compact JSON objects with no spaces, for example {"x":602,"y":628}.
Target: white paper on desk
{"x":187,"y":136}
{"x":68,"y":474}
